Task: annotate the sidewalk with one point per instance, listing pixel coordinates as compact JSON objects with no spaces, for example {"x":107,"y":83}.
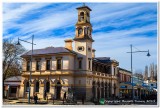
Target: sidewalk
{"x":41,"y":102}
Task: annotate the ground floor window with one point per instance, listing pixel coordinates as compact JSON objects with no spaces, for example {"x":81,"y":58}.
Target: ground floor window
{"x":47,"y":86}
{"x":37,"y":86}
{"x":27,"y":87}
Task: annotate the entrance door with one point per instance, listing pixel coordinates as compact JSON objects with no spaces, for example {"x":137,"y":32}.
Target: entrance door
{"x":58,"y":90}
{"x":13,"y":91}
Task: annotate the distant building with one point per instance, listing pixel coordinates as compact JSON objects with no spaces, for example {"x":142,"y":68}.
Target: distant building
{"x":146,"y":73}
{"x":125,"y":86}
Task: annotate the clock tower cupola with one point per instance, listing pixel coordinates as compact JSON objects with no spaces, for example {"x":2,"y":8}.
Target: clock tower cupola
{"x":83,"y":25}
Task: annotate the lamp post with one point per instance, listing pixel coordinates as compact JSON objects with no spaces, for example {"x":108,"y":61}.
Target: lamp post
{"x":30,"y":63}
{"x":148,"y":54}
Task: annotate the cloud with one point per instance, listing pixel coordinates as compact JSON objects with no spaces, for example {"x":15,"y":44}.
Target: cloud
{"x":115,"y":27}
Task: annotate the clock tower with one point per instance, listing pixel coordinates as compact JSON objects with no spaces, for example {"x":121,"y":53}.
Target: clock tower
{"x":83,"y":38}
{"x":83,"y":46}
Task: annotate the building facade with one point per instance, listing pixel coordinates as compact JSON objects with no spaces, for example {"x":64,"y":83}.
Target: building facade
{"x":56,"y":70}
{"x":125,"y":83}
{"x":12,"y":87}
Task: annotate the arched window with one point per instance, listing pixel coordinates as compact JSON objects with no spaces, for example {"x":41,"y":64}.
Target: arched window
{"x":27,"y":86}
{"x":80,"y":31}
{"x":85,"y":30}
{"x":47,"y":86}
{"x":81,"y":16}
{"x":87,"y":17}
{"x":37,"y":87}
{"x":88,"y":31}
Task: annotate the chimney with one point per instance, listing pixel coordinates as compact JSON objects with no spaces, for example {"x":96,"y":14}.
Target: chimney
{"x":93,"y":53}
{"x":68,"y":44}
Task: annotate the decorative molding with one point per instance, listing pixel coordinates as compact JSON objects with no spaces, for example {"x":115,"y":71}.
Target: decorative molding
{"x":38,"y":59}
{"x":59,"y":57}
{"x":79,"y":58}
{"x":32,"y":85}
{"x":22,"y":85}
{"x":48,"y":58}
{"x":41,"y":85}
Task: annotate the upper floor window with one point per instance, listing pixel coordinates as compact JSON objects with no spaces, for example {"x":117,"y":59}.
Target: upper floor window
{"x":28,"y":65}
{"x":114,"y":71}
{"x":120,"y":77}
{"x":48,"y":63}
{"x":89,"y":49}
{"x":129,"y":78}
{"x":89,"y":64}
{"x":38,"y":65}
{"x":58,"y":64}
{"x":80,"y":64}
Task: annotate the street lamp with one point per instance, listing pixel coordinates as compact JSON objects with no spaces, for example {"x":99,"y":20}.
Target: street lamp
{"x":148,"y":54}
{"x":30,"y":62}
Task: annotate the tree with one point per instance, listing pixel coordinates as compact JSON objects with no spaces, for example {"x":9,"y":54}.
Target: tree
{"x":11,"y":58}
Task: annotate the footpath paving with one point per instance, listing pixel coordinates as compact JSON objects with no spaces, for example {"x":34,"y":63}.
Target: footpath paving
{"x":60,"y":102}
{"x":42,"y":102}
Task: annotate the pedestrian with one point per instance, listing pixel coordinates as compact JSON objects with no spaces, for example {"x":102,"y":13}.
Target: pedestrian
{"x":45,"y":94}
{"x":64,"y":97}
{"x":35,"y":98}
{"x":53,"y":99}
{"x":83,"y":99}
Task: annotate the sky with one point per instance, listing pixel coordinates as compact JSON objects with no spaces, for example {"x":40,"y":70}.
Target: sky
{"x":115,"y":27}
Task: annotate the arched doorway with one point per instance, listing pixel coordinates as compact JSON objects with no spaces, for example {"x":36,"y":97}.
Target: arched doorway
{"x":98,"y":90}
{"x":102,"y":90}
{"x":93,"y":89}
{"x":58,"y":90}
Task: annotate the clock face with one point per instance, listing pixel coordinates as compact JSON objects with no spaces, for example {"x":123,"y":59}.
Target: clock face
{"x":80,"y":31}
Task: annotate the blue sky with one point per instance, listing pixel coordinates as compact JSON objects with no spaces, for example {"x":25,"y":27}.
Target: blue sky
{"x":115,"y":27}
